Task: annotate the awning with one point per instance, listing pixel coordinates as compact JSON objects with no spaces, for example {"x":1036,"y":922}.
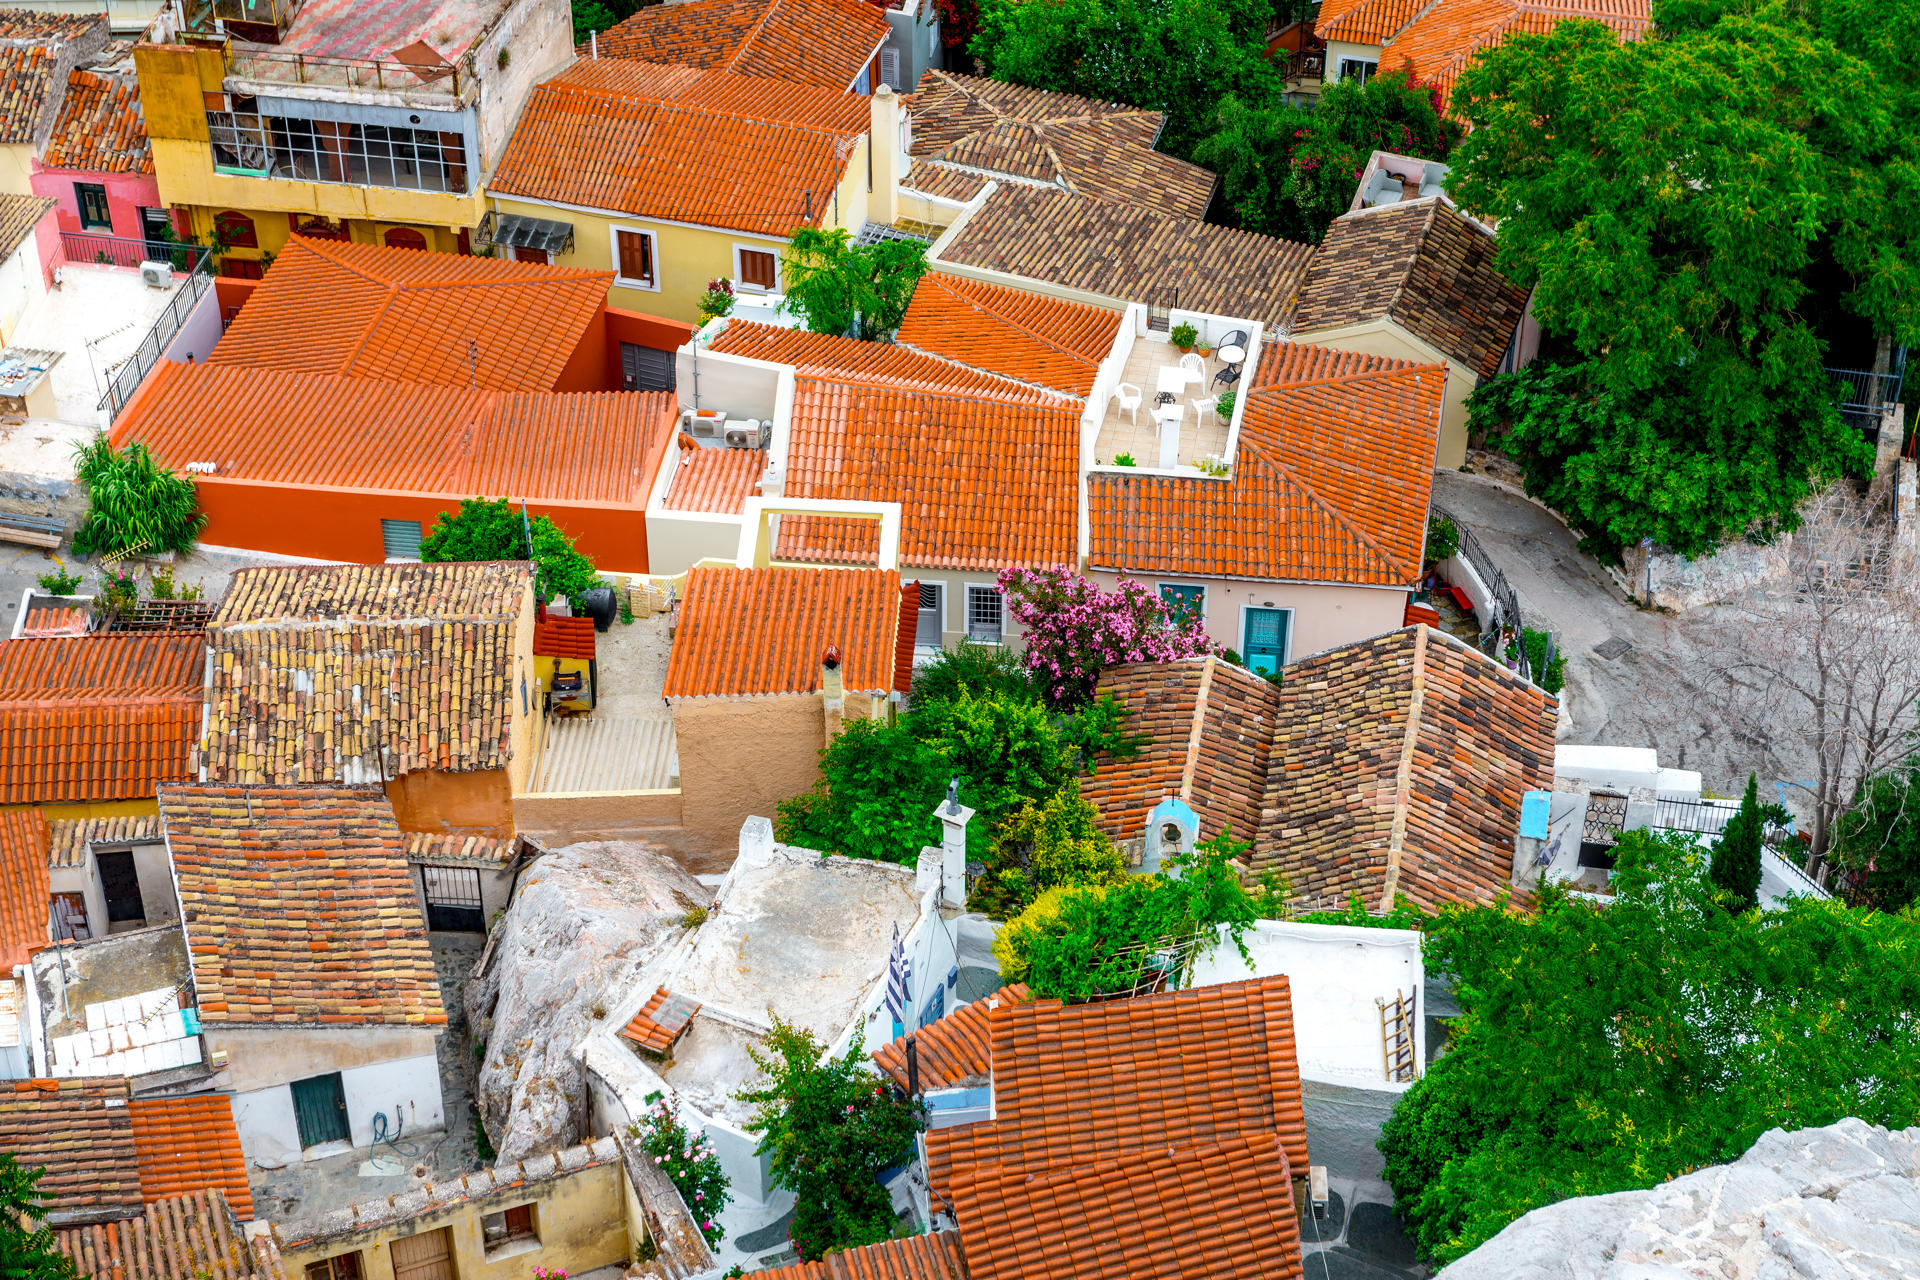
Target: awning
{"x":517,"y":232}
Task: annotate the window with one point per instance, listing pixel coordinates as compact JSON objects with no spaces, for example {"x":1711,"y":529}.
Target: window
{"x":758,"y":269}
{"x":633,"y":255}
{"x":646,"y":368}
{"x":927,"y":632}
{"x":983,"y":614}
{"x":1183,"y":598}
{"x":344,"y":1266}
{"x":1264,"y":638}
{"x":890,"y":69}
{"x":1356,"y":69}
{"x":405,"y":238}
{"x":94,"y":214}
{"x":400,"y":539}
{"x":241,"y":269}
{"x":507,"y":1226}
{"x":522,"y":253}
{"x":337,"y":151}
{"x":235,"y":230}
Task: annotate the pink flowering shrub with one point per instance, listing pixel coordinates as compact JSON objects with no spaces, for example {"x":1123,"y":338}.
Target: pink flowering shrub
{"x":688,"y":1160}
{"x":1075,"y":630}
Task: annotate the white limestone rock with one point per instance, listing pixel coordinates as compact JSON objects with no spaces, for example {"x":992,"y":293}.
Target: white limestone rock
{"x":1839,"y":1203}
{"x":585,"y":919}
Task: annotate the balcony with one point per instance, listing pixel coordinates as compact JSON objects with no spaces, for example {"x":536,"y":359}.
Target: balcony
{"x":1863,"y":396}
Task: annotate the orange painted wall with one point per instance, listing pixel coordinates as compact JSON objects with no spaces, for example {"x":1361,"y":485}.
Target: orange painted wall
{"x":588,"y":369}
{"x":233,"y":294}
{"x":643,"y":331}
{"x":430,"y":800}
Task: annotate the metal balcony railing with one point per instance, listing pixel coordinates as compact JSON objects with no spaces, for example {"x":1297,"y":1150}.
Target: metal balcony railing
{"x":191,"y":269}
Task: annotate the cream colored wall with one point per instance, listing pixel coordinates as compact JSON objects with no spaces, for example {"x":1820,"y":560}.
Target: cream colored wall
{"x":1338,"y":49}
{"x":16,"y":169}
{"x":21,"y":285}
{"x":1385,"y":338}
{"x":740,"y":757}
{"x":1323,"y":616}
{"x":677,"y":540}
{"x":580,"y":1219}
{"x":529,"y":726}
{"x":260,"y":1057}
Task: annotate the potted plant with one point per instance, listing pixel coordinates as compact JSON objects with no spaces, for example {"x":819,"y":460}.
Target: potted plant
{"x":1184,"y":336}
{"x":1123,"y":460}
{"x":717,"y":300}
{"x":1202,"y":349}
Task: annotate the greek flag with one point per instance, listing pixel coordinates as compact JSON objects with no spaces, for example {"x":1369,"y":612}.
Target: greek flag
{"x":899,"y":974}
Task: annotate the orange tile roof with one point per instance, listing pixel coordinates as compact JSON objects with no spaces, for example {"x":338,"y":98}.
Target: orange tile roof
{"x":936,"y":455}
{"x":282,"y":427}
{"x":98,"y":717}
{"x":717,"y":481}
{"x":824,"y":42}
{"x":763,"y":631}
{"x":1045,"y":341}
{"x":556,"y":637}
{"x":26,"y":847}
{"x":72,"y":837}
{"x":299,"y":907}
{"x":369,"y":311}
{"x":1200,"y":1066}
{"x":78,"y":1130}
{"x":599,"y":148}
{"x":190,"y":1144}
{"x":1201,"y":1212}
{"x":934,"y":1256}
{"x":100,"y":128}
{"x":782,"y":101}
{"x":957,"y":1049}
{"x":26,"y":90}
{"x":457,"y":849}
{"x":190,"y":1237}
{"x":1368,"y":21}
{"x":48,"y":616}
{"x":1330,"y":481}
{"x":1437,"y":46}
{"x":31,"y":24}
{"x":664,"y":1019}
{"x":881,"y":363}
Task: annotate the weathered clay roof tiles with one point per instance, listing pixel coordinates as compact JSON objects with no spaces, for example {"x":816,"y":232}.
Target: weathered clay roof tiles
{"x":80,"y":1131}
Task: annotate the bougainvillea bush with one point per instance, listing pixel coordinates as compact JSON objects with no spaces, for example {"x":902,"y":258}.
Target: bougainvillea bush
{"x":1075,"y":630}
{"x":690,"y":1163}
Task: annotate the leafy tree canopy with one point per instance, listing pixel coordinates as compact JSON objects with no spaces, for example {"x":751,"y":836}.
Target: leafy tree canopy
{"x":497,"y":530}
{"x":1707,"y":218}
{"x":1044,"y":844}
{"x":831,"y":282}
{"x":27,"y":1250}
{"x":1606,"y":1048}
{"x":1878,"y":841}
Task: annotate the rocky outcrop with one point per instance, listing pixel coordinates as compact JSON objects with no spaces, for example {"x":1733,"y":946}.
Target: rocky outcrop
{"x":1837,"y":1203}
{"x":584,"y":921}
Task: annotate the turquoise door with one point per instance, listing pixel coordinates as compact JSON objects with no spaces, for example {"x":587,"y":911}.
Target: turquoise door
{"x":1265,"y":644}
{"x":320,"y":1110}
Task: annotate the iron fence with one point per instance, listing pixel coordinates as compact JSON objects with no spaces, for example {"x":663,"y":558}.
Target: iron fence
{"x":1699,"y":817}
{"x":89,"y":249}
{"x":1506,"y":604}
{"x":191,"y":265}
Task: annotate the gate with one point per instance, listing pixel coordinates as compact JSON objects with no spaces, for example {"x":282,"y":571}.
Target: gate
{"x":427,"y":1256}
{"x":453,"y":899}
{"x":1606,"y":819}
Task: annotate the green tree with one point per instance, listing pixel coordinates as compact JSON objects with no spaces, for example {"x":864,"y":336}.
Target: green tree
{"x":828,"y":1128}
{"x":875,"y":797}
{"x":1610,"y":1047}
{"x":1878,"y":840}
{"x":1735,"y":865}
{"x":27,"y":1249}
{"x":1042,"y":844}
{"x":497,"y":530}
{"x":1706,"y":218}
{"x":133,"y":503}
{"x":832,"y":283}
{"x":982,"y":668}
{"x":1289,"y":171}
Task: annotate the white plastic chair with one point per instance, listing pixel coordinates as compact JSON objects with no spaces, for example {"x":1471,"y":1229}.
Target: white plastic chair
{"x":1196,"y":367}
{"x":1129,"y":397}
{"x":1203,"y":409}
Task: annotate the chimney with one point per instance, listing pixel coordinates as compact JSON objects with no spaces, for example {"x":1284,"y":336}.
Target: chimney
{"x":884,"y":156}
{"x":953,"y":847}
{"x":832,"y":692}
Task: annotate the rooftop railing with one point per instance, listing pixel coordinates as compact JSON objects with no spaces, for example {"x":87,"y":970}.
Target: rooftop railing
{"x":391,"y":75}
{"x":192,"y":269}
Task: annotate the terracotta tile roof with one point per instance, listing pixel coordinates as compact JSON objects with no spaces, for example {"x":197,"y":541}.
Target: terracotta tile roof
{"x":945,"y":182}
{"x":1084,"y":145}
{"x":31,"y":24}
{"x":357,"y":673}
{"x":25,"y":845}
{"x":1331,"y":476}
{"x":370,"y":311}
{"x":1199,"y":1213}
{"x":664,"y":1019}
{"x":72,"y":836}
{"x":1208,"y":727}
{"x":299,"y":907}
{"x":1045,"y":341}
{"x":955,"y":1050}
{"x":1399,"y":767}
{"x":762,"y":631}
{"x":784,"y":101}
{"x":935,"y":1256}
{"x":557,"y":637}
{"x":97,"y":718}
{"x":190,"y":1237}
{"x":824,"y":42}
{"x":1366,"y":21}
{"x":457,"y":849}
{"x":288,"y":428}
{"x":1437,"y":46}
{"x":100,"y":128}
{"x":52,"y":616}
{"x":717,"y":481}
{"x":27,"y":89}
{"x":1130,"y":254}
{"x":19,"y":215}
{"x":628,"y":152}
{"x":1200,"y":1066}
{"x":1424,"y":265}
{"x":934,"y":454}
{"x":80,"y":1131}
{"x":880,"y":363}
{"x":190,"y":1144}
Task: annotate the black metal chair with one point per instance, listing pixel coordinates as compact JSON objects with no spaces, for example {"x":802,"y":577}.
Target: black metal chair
{"x":1238,"y":338}
{"x":1226,"y":377}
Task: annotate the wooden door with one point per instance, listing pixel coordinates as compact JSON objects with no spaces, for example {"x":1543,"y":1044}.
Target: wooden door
{"x":427,"y":1256}
{"x":320,"y":1110}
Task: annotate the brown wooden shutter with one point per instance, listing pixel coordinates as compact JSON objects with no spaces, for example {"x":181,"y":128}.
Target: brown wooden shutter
{"x":636,"y":256}
{"x":757,"y":269}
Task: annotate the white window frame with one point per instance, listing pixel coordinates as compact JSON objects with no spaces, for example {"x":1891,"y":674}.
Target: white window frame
{"x":1286,"y":650}
{"x":1364,"y":69}
{"x":966,"y":611}
{"x":939,"y":611}
{"x":1201,"y":587}
{"x":740,"y":284}
{"x":613,"y":247}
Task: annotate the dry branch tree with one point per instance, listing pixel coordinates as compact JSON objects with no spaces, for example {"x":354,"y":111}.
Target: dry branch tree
{"x":1821,"y":665}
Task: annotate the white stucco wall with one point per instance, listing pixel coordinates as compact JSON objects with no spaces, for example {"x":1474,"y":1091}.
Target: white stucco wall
{"x":407,"y":1087}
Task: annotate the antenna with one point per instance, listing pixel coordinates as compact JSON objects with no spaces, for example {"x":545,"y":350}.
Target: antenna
{"x":809,"y":204}
{"x":473,"y":362}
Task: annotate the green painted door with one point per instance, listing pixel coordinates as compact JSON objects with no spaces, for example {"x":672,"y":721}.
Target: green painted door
{"x":320,"y":1109}
{"x":1266,"y":639}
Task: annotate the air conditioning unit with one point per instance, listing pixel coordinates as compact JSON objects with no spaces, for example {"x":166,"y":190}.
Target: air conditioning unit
{"x":750,"y":434}
{"x":156,"y":275}
{"x":704,"y":426}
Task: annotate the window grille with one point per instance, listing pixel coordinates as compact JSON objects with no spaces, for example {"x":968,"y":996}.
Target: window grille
{"x":367,"y":155}
{"x":983,"y":614}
